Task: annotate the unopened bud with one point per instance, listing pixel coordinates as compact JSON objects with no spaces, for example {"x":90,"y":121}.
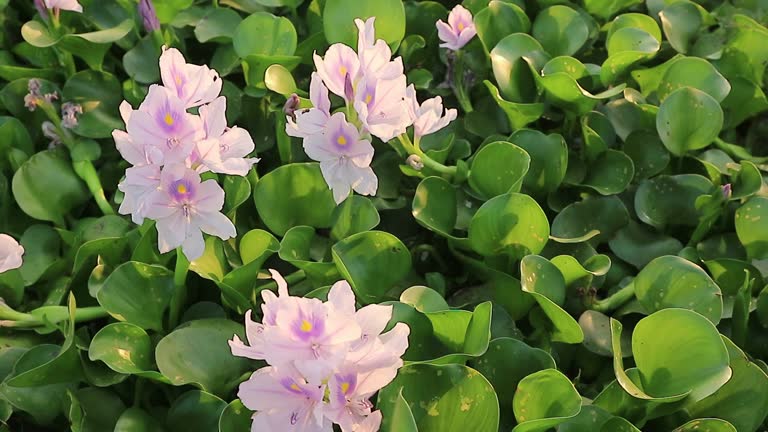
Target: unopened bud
{"x":69,"y":112}
{"x":291,"y":105}
{"x":414,"y":161}
{"x":148,"y":16}
{"x":41,"y":9}
{"x":50,"y":132}
{"x":32,"y":98}
{"x":349,"y":90}
{"x":727,"y":191}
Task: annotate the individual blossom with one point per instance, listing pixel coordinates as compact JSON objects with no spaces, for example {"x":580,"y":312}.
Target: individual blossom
{"x":381,"y":106}
{"x":375,"y":55}
{"x":10,"y":253}
{"x":311,"y":121}
{"x":163,"y":122}
{"x":339,"y":66}
{"x":70,"y":5}
{"x":224,"y":149}
{"x":194,"y":85}
{"x":311,"y":393}
{"x":35,"y":97}
{"x":428,"y":117}
{"x":148,"y":16}
{"x":138,"y":186}
{"x":184,"y":208}
{"x":292,"y":105}
{"x":344,"y":157}
{"x":69,"y":112}
{"x":459,"y":30}
{"x":137,"y":153}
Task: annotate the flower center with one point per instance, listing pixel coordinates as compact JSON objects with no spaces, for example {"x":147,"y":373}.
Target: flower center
{"x":168,"y":119}
{"x":368,"y":99}
{"x":344,"y":387}
{"x":341,"y":140}
{"x":295,"y":387}
{"x":181,"y":188}
{"x":342,"y":70}
{"x":461,"y":26}
{"x":306,"y":326}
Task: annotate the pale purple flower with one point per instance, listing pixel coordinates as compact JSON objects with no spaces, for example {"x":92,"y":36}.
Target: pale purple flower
{"x":284,"y":401}
{"x":162,"y":122}
{"x":10,"y":253}
{"x":136,"y":153}
{"x":344,"y":157}
{"x":381,"y":106}
{"x":69,"y":112}
{"x":428,"y":117}
{"x":138,"y":186}
{"x":340,"y":65}
{"x":184,"y":208}
{"x":224,"y":149}
{"x":291,"y":105}
{"x":374,"y":54}
{"x":194,"y":85}
{"x":41,"y":8}
{"x":311,"y":121}
{"x":70,"y":5}
{"x":335,"y":386}
{"x":148,"y":16}
{"x":459,"y":30}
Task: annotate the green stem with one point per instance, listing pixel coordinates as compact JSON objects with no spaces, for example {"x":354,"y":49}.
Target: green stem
{"x":616,"y":300}
{"x":52,"y":315}
{"x":458,"y":84}
{"x":87,"y":172}
{"x":138,"y":391}
{"x":180,"y":288}
{"x":157,"y":36}
{"x":426,"y":160}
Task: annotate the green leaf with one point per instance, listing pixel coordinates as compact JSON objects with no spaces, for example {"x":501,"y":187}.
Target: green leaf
{"x":561,"y":30}
{"x":505,"y":375}
{"x":611,"y":173}
{"x":196,"y":411}
{"x":399,"y":417}
{"x":639,"y":245}
{"x":578,"y":219}
{"x":670,"y":200}
{"x":299,"y":247}
{"x":235,"y":417}
{"x":293,"y":195}
{"x":137,"y":420}
{"x":648,"y":154}
{"x":424,"y":299}
{"x":544,"y":400}
{"x":373,"y":262}
{"x":437,"y":394}
{"x":681,"y":22}
{"x":279,"y":79}
{"x":511,"y":224}
{"x":696,"y":73}
{"x":690,"y":358}
{"x":710,"y":424}
{"x":125,"y":348}
{"x":141,"y":61}
{"x":742,"y":399}
{"x":546,"y":284}
{"x":46,"y":187}
{"x":138,"y":293}
{"x":518,"y":114}
{"x":498,"y":168}
{"x":515,"y":60}
{"x":264,"y":34}
{"x":607,"y":8}
{"x":751,"y":228}
{"x":549,"y":159}
{"x":498,"y":20}
{"x":218,"y":25}
{"x":355,"y":215}
{"x":339,"y":16}
{"x":197,"y":353}
{"x":688,"y":119}
{"x":674,"y":282}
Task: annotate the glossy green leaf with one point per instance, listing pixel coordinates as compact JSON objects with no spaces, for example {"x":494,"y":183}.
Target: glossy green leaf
{"x":339,"y":16}
{"x":549,"y":159}
{"x":544,"y":400}
{"x":639,"y":245}
{"x":138,"y":293}
{"x":578,"y":219}
{"x":196,"y":411}
{"x":435,"y":206}
{"x":560,"y":29}
{"x":513,"y":59}
{"x":355,"y":215}
{"x":511,"y":224}
{"x":498,"y":168}
{"x":696,"y":73}
{"x":498,"y":20}
{"x":265,"y":34}
{"x":670,"y":200}
{"x":751,"y":228}
{"x":688,"y":119}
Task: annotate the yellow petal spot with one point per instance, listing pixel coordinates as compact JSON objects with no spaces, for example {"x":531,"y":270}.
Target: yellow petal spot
{"x":461,"y":26}
{"x":181,"y":188}
{"x":368,"y":98}
{"x":177,"y":79}
{"x":341,"y":140}
{"x":306,"y":326}
{"x":344,"y":387}
{"x":342,"y":70}
{"x":295,"y":386}
{"x":168,"y":119}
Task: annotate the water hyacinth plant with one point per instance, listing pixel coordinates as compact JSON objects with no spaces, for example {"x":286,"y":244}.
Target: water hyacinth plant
{"x":490,"y":216}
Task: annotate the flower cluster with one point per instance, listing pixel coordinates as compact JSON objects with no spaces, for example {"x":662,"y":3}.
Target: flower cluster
{"x":326,"y":360}
{"x":378,"y":103}
{"x":169,"y":147}
{"x":10,"y":253}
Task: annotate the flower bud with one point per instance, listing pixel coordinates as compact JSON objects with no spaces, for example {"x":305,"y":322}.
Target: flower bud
{"x":41,"y":9}
{"x":69,"y":113}
{"x":727,"y":191}
{"x":291,"y":105}
{"x":148,"y":16}
{"x":414,"y":161}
